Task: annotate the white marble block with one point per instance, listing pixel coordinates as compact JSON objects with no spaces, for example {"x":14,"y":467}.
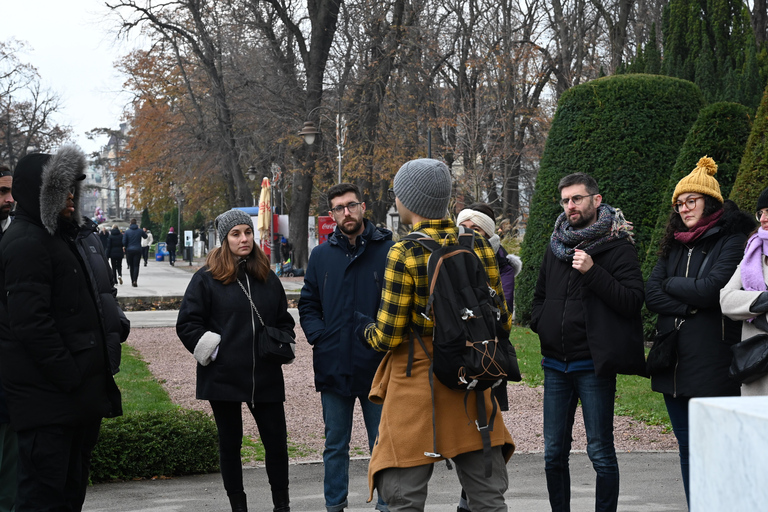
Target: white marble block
{"x":729,"y":454}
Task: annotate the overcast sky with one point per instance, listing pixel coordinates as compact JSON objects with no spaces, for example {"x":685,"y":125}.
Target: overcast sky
{"x":72,"y":45}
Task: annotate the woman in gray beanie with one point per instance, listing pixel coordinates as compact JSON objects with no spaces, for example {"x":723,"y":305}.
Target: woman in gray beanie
{"x":218,"y":308}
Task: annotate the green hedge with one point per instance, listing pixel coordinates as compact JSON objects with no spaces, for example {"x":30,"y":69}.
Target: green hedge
{"x":753,"y":171}
{"x":623,"y":130}
{"x":720,"y":132}
{"x":148,"y":444}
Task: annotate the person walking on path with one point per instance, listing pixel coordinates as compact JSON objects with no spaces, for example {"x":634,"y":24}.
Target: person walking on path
{"x":589,"y":293}
{"x":53,"y":346}
{"x":218,"y":323}
{"x":344,"y":274}
{"x":132,"y":239}
{"x":702,"y":246}
{"x":171,"y":241}
{"x":146,"y":243}
{"x":404,"y":455}
{"x":115,"y":252}
{"x":745,"y":297}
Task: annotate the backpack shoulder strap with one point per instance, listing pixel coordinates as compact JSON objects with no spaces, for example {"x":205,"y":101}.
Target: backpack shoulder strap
{"x":424,"y":240}
{"x":467,"y":238}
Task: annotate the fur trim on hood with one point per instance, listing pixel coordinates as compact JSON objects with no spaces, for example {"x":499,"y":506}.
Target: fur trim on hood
{"x":516,"y":262}
{"x":63,"y":170}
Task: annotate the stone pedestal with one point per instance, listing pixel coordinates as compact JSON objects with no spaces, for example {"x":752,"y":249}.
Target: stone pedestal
{"x":729,"y":454}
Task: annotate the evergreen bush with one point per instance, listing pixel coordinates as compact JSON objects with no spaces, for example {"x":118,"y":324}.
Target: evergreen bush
{"x":623,"y":130}
{"x":720,"y":132}
{"x":752,"y":177}
{"x":148,"y":444}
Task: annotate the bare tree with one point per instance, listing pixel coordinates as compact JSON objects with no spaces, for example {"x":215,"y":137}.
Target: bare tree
{"x":27,"y":109}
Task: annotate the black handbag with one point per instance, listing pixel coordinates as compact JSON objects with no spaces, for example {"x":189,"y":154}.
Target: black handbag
{"x":274,"y":345}
{"x":750,"y":359}
{"x":663,"y":353}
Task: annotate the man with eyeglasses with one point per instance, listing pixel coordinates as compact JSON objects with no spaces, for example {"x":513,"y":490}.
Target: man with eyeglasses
{"x":587,"y":300}
{"x":343,"y":275}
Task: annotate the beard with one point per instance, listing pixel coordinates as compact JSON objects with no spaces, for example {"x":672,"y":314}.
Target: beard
{"x":350,"y":229}
{"x":586,"y":218}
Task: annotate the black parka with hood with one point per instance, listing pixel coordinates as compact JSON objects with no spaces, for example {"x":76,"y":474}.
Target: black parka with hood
{"x":686,"y":284}
{"x":53,"y":351}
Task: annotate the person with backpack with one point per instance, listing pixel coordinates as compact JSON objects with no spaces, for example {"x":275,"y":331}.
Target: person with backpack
{"x":424,"y":420}
{"x":586,"y":311}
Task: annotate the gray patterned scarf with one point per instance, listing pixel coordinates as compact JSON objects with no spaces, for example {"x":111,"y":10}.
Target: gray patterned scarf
{"x":610,"y":225}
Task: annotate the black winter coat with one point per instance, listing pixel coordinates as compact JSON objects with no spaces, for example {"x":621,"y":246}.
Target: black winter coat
{"x":587,"y":316}
{"x":686,"y":284}
{"x":116,"y":325}
{"x":238,"y":374}
{"x":338,"y":283}
{"x":115,"y":245}
{"x":53,"y":351}
{"x":171,"y":241}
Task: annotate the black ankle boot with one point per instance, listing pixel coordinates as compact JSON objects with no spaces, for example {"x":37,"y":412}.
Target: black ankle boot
{"x":238,"y":502}
{"x":281,"y":501}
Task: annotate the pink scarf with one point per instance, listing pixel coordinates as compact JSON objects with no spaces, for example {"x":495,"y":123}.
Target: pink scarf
{"x":752,"y":264}
{"x":701,"y":227}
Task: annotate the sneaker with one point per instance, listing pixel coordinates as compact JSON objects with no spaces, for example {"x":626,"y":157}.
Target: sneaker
{"x":120,"y":280}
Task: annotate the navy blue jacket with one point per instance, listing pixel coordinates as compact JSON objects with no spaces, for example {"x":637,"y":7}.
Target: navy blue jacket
{"x":339,"y":282}
{"x":132,"y":238}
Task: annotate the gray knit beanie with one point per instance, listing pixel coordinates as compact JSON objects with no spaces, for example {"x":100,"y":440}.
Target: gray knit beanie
{"x":227,"y":220}
{"x":424,"y":187}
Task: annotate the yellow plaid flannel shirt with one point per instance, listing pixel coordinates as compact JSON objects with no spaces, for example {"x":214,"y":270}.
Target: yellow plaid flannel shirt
{"x":406,"y":290}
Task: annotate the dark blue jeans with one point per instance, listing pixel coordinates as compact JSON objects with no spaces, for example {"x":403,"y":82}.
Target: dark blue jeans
{"x":337,"y":416}
{"x":562,"y":392}
{"x":677,"y":408}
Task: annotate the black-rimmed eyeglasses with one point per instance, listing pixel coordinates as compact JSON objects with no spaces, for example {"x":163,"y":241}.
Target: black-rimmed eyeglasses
{"x":391,"y":194}
{"x":574,"y":199}
{"x":759,"y":214}
{"x":352,"y":207}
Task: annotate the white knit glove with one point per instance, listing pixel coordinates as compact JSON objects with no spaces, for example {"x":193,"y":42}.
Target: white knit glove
{"x":207,"y":348}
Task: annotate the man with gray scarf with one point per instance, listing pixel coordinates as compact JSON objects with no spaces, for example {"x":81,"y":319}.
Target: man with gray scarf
{"x":587,"y":301}
{"x":53,"y":341}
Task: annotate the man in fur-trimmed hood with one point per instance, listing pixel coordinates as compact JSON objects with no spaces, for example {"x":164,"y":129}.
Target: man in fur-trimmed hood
{"x":53,"y":349}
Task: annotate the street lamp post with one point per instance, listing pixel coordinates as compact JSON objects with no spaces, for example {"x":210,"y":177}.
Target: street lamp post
{"x":310,"y":132}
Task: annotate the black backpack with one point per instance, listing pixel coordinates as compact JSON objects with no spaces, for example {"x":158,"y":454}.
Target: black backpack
{"x":468,"y":353}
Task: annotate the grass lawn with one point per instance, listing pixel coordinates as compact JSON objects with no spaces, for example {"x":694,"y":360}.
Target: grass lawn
{"x":633,"y":394}
{"x":143,"y":393}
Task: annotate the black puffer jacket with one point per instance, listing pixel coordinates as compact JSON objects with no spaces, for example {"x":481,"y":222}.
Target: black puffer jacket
{"x":116,"y":325}
{"x":588,"y":316}
{"x":115,"y":245}
{"x":686,"y":284}
{"x":53,"y":351}
{"x":238,"y":373}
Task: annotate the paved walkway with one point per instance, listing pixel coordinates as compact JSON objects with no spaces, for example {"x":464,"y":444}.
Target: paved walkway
{"x":650,"y":481}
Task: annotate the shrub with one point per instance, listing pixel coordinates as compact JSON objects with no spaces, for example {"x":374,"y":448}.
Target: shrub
{"x":148,"y":444}
{"x":623,"y":130}
{"x":753,"y":171}
{"x":720,"y":132}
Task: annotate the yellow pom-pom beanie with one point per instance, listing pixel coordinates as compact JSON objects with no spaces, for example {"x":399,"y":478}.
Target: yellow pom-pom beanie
{"x":701,"y":180}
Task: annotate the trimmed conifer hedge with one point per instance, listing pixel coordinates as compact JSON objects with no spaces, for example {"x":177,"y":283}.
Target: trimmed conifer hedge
{"x":625,"y":131}
{"x":753,"y":171}
{"x":149,"y":444}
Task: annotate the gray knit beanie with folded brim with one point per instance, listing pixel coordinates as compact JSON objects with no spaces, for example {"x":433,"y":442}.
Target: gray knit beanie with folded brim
{"x":424,"y":187}
{"x":227,"y":220}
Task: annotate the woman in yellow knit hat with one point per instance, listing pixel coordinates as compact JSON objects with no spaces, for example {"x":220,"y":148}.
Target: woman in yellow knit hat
{"x":701,"y":248}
